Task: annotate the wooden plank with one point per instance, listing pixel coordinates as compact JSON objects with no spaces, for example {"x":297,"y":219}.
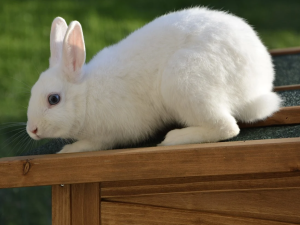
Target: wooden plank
{"x":287,"y":87}
{"x":199,"y":179}
{"x":61,"y":205}
{"x":286,"y":116}
{"x":285,"y":51}
{"x":85,"y":204}
{"x":212,"y":159}
{"x":211,"y":184}
{"x":271,"y":204}
{"x":114,"y":213}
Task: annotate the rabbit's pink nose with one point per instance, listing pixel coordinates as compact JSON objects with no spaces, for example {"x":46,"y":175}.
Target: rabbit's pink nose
{"x":34,"y":131}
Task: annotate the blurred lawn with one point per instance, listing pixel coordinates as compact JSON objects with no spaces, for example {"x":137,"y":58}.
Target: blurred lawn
{"x":24,"y":53}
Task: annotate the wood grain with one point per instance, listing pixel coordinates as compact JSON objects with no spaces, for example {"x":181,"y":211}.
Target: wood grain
{"x":210,"y":184}
{"x":212,"y":159}
{"x":286,"y":116}
{"x":85,"y":204}
{"x":270,"y":204}
{"x":61,"y":207}
{"x":115,"y":213}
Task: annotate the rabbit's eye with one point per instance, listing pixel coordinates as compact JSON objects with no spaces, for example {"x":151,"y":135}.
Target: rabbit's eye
{"x":54,"y":99}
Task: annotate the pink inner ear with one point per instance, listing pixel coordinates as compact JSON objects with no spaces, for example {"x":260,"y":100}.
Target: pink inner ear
{"x":74,"y":65}
{"x":73,"y":52}
{"x":77,"y":48}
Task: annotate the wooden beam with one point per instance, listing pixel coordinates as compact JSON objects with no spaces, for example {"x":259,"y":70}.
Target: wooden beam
{"x":285,"y":51}
{"x":214,"y":184}
{"x":61,"y":205}
{"x":287,"y":87}
{"x":76,"y":204}
{"x":211,"y":159}
{"x":85,"y":204}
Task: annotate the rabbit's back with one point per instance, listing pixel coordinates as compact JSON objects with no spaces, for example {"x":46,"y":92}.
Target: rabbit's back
{"x":226,"y":55}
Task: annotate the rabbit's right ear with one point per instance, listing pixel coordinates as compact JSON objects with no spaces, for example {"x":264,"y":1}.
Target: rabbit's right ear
{"x":58,"y":31}
{"x":73,"y":53}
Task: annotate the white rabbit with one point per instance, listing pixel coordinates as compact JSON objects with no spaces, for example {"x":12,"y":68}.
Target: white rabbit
{"x":202,"y":68}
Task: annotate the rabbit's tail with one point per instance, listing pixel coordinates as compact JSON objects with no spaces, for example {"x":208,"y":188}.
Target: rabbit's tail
{"x":259,"y":109}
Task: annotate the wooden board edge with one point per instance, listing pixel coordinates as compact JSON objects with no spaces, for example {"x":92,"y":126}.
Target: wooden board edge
{"x":285,"y":51}
{"x":287,"y":87}
{"x":225,"y":158}
{"x":222,"y":185}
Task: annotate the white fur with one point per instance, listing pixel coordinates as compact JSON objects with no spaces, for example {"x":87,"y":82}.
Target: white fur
{"x":202,"y":68}
{"x":57,"y":34}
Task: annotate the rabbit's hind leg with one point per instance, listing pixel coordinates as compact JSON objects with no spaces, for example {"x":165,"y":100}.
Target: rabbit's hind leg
{"x":213,"y":131}
{"x":196,"y":99}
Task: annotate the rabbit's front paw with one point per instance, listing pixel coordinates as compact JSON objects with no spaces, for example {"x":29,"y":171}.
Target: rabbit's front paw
{"x":67,"y":149}
{"x":80,"y":146}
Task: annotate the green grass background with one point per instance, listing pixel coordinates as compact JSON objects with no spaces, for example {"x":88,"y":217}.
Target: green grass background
{"x":24,"y":54}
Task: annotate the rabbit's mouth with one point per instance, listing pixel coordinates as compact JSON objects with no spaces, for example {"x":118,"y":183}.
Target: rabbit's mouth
{"x":35,"y":136}
{"x":33,"y":132}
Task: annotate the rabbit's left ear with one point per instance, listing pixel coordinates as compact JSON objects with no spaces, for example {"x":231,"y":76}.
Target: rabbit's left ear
{"x":73,"y":52}
{"x":57,"y":34}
